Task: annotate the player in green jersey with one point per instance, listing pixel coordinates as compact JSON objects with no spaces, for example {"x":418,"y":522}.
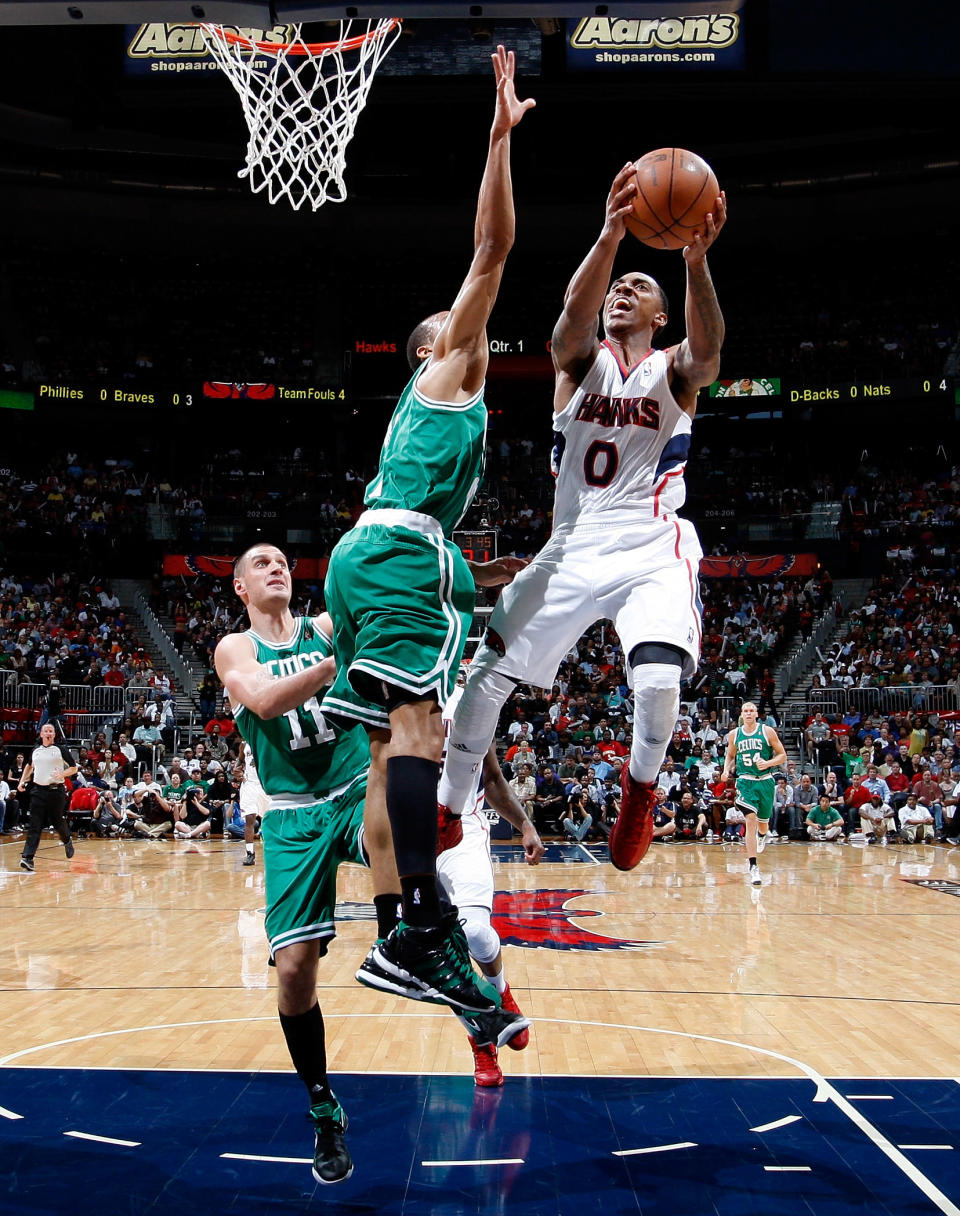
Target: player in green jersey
{"x":402,"y":596}
{"x":753,"y":751}
{"x":315,"y":779}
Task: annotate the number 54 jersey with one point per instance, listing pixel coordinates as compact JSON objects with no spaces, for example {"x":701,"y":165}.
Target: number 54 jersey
{"x":620,"y":444}
{"x":300,"y":757}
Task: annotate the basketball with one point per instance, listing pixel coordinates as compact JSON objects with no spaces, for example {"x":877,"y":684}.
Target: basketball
{"x":675,"y":190}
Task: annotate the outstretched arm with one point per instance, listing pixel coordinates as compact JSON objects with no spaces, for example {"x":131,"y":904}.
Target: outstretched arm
{"x":575,"y":343}
{"x":696,"y":361}
{"x":505,"y":802}
{"x":460,"y":352}
{"x":501,"y":570}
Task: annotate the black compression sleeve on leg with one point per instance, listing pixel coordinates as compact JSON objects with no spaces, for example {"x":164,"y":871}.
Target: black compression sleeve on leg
{"x":412,"y":808}
{"x":307,"y":1044}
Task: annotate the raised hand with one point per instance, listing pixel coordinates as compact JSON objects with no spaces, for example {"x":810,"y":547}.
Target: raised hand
{"x":696,"y":251}
{"x":509,"y":110}
{"x":620,"y":200}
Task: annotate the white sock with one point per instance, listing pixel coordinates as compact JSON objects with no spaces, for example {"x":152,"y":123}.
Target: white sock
{"x":460,"y":777}
{"x":656,"y":701}
{"x":474,"y":725}
{"x":499,"y":981}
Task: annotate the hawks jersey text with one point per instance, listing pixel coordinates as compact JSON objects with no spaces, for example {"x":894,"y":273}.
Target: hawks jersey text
{"x":621,"y":444}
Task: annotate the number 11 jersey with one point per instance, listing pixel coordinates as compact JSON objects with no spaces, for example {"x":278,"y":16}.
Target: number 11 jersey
{"x":300,"y":757}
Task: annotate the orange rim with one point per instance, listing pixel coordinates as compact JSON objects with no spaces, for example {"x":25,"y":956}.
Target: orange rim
{"x":305,"y":48}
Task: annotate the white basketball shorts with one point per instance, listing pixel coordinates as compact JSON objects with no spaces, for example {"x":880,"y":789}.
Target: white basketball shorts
{"x":643,"y":577}
{"x":253,"y":801}
{"x":466,"y":871}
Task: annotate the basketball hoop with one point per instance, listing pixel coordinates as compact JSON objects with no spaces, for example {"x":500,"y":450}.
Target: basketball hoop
{"x":301,"y":101}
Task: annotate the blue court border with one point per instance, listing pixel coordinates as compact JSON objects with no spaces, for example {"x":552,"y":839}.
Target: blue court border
{"x":730,"y":1147}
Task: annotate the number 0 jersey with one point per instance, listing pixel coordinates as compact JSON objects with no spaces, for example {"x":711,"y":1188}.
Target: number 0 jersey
{"x":299,"y":757}
{"x":620,"y":445}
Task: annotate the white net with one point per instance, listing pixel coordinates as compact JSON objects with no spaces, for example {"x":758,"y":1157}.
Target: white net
{"x":301,"y":102}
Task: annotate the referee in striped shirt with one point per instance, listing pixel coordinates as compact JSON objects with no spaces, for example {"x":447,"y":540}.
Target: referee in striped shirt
{"x":50,"y":764}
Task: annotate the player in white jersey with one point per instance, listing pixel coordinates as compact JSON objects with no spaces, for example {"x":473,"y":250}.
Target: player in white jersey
{"x":465,"y":873}
{"x":254,"y":802}
{"x":622,"y":418}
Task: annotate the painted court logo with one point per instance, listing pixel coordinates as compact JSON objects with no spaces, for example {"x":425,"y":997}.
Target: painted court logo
{"x":540,"y":920}
{"x":535,"y":920}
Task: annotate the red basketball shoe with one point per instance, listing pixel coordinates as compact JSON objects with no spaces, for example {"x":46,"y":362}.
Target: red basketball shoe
{"x":486,"y":1070}
{"x":449,"y":829}
{"x":630,"y":836}
{"x":520,"y":1040}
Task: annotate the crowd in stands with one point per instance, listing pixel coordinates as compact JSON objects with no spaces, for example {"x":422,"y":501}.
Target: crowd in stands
{"x":566,"y":751}
{"x":916,"y":513}
{"x":98,"y":508}
{"x":91,"y":509}
{"x":877,"y":780}
{"x":746,"y":628}
{"x":864,"y":331}
{"x":904,"y":634}
{"x":130,"y":783}
{"x":887,"y":776}
{"x":59,"y":629}
{"x":571,"y":740}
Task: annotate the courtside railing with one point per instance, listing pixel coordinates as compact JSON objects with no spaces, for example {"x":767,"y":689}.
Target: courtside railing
{"x":158,"y":635}
{"x":801,"y":662}
{"x":882,"y":702}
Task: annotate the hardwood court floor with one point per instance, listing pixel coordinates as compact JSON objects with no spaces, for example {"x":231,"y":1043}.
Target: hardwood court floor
{"x":151,"y":955}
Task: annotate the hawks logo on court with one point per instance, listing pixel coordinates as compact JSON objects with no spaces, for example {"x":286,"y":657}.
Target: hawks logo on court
{"x":536,"y":920}
{"x":541,"y":920}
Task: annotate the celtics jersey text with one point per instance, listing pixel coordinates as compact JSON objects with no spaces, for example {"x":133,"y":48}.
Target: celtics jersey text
{"x":298,"y":755}
{"x":432,"y":456}
{"x":620,"y":444}
{"x":750,"y":748}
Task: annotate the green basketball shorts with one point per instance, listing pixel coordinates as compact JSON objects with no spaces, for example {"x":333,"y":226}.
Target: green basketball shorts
{"x":402,"y":600}
{"x":755,"y":796}
{"x":302,"y":850}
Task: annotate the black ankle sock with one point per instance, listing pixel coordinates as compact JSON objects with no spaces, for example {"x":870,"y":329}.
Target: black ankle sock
{"x":306,"y":1042}
{"x":412,"y":808}
{"x":421,"y":899}
{"x":388,"y":913}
